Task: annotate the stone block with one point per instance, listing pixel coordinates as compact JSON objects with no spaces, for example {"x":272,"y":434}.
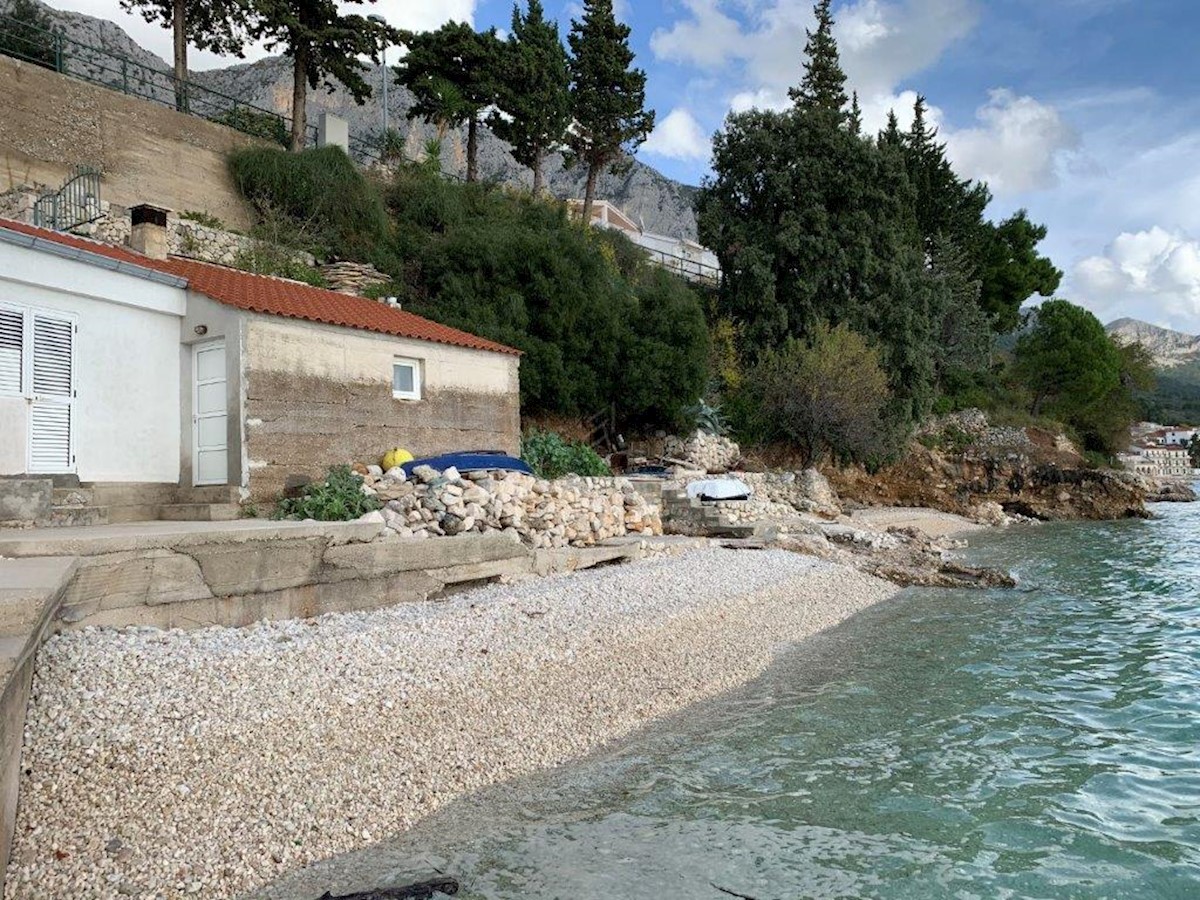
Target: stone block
{"x":393,"y":554}
{"x":257,"y":567}
{"x":135,"y":578}
{"x":25,"y":499}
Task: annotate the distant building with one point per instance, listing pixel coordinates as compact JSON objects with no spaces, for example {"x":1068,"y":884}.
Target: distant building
{"x":1159,"y":460}
{"x":680,"y":255}
{"x":1181,"y":437}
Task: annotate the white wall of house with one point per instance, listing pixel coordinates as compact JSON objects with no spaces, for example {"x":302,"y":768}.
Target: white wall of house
{"x":127,"y":373}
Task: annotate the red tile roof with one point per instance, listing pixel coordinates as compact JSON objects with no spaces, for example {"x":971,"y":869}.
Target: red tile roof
{"x":276,"y":296}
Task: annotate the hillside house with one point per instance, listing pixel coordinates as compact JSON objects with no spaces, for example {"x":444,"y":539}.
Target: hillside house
{"x":679,"y":255}
{"x":122,"y":366}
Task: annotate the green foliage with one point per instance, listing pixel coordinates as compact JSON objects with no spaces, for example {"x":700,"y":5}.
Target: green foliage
{"x":205,"y":219}
{"x":534,"y":90}
{"x":1075,"y":372}
{"x":596,"y":323}
{"x":218,"y":26}
{"x":389,"y":144}
{"x":827,"y":397}
{"x":813,"y":224}
{"x":26,"y":33}
{"x":259,"y":124}
{"x":1175,"y":398}
{"x":325,"y":47}
{"x":552,"y":456}
{"x":268,"y":258}
{"x":705,"y":417}
{"x":824,"y":84}
{"x":608,"y":96}
{"x":1194,"y":451}
{"x":1011,"y":271}
{"x":321,"y":193}
{"x":451,"y":73}
{"x":339,"y":498}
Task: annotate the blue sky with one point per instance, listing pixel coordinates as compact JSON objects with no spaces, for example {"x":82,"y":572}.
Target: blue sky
{"x":1083,"y":111}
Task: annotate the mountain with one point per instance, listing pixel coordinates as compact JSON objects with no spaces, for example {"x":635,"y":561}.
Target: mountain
{"x":660,"y":204}
{"x":1170,"y":349}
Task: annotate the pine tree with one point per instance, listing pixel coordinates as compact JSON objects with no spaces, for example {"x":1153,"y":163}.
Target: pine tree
{"x":607,"y":95}
{"x":534,"y":91}
{"x":855,"y":120}
{"x":324,"y":45}
{"x":28,"y":34}
{"x":215,"y":25}
{"x":452,"y":75}
{"x":891,"y":136}
{"x":824,"y":83}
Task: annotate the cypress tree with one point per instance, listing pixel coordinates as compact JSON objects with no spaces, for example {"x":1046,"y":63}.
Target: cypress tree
{"x":824,"y":83}
{"x":534,"y":92}
{"x":607,"y":95}
{"x":855,"y":120}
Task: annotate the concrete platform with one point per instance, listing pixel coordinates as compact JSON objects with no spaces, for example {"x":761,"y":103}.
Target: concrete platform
{"x":93,"y":540}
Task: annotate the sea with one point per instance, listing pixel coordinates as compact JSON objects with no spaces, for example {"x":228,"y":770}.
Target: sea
{"x":1041,"y":742}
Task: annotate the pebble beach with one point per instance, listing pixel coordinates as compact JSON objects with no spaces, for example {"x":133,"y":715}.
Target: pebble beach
{"x":208,"y":763}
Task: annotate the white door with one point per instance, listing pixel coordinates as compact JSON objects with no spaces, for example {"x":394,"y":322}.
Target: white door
{"x":210,"y":457}
{"x":51,"y":394}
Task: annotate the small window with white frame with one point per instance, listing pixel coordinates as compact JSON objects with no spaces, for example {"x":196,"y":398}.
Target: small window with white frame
{"x":406,"y":378}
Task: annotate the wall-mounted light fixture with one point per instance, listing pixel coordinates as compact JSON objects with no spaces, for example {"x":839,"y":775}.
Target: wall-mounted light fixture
{"x":201,"y":329}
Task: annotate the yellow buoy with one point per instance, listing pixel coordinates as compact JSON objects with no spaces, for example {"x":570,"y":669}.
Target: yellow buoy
{"x":397,"y":456}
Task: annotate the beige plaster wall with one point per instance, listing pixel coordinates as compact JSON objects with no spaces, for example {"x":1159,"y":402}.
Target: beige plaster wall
{"x":148,"y":153}
{"x":317,"y":395}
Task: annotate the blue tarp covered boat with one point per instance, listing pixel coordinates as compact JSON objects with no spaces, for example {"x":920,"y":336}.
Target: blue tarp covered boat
{"x":471,"y":461}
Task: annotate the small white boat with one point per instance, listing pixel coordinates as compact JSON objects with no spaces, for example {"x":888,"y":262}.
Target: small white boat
{"x":719,"y":489}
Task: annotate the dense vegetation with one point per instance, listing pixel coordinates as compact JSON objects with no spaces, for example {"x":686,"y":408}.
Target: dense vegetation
{"x":552,"y":456}
{"x":825,"y":231}
{"x":598,"y":324}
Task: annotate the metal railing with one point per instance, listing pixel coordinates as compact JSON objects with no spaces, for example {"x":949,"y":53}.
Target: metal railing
{"x":691,"y":269}
{"x":107,"y":68}
{"x":76,"y":203}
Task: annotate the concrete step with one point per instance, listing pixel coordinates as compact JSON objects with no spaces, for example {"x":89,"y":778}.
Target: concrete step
{"x":73,"y":496}
{"x":25,"y":500}
{"x":71,"y":516}
{"x":199,"y":512}
{"x":25,"y":585}
{"x":215,"y":493}
{"x":117,"y":493}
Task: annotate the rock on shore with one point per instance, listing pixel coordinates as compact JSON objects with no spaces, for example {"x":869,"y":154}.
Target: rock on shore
{"x":206,"y":763}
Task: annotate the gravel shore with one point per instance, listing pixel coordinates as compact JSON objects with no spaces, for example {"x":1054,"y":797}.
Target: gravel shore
{"x":207,"y":763}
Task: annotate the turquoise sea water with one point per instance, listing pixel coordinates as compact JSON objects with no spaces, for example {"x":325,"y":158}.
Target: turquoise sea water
{"x":1037,"y":743}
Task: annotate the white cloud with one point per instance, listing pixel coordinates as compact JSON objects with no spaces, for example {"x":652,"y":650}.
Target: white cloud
{"x":1152,"y":274}
{"x":421,"y":16}
{"x":679,"y":136}
{"x":1016,"y":147}
{"x":708,"y":40}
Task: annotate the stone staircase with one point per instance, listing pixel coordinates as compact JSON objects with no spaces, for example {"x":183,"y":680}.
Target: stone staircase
{"x":682,"y":514}
{"x":64,"y":501}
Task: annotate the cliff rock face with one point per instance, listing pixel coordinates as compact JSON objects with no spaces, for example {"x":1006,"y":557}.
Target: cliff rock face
{"x":660,"y":204}
{"x":965,"y":483}
{"x":962,"y":465}
{"x":1169,"y":348}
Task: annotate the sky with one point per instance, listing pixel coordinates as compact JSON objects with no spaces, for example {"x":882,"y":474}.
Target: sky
{"x":1084,"y":112}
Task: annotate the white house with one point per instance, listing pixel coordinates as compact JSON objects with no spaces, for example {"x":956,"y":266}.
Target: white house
{"x":123,"y":366}
{"x":680,"y":255}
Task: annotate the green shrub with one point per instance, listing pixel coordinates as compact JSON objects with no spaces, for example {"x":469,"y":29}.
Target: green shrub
{"x":265,"y":258}
{"x":204,"y":219}
{"x":552,"y":456}
{"x":258,"y":124}
{"x":339,"y":498}
{"x":320,"y":192}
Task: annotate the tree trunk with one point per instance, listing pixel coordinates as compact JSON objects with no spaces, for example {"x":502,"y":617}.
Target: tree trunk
{"x":472,"y":148}
{"x":299,"y":98}
{"x":589,"y":194}
{"x":179,"y":27}
{"x":1038,"y":400}
{"x":538,"y":178}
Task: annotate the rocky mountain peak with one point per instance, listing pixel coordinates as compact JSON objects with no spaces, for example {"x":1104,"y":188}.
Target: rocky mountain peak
{"x":1170,"y":349}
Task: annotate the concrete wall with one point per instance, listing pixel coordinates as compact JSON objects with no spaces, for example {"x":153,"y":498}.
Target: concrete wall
{"x":147,"y":153}
{"x":127,"y":375}
{"x":317,"y":395}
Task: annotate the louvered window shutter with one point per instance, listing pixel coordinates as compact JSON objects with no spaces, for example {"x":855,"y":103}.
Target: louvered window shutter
{"x":12,"y":343}
{"x":52,"y":357}
{"x":50,"y":416}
